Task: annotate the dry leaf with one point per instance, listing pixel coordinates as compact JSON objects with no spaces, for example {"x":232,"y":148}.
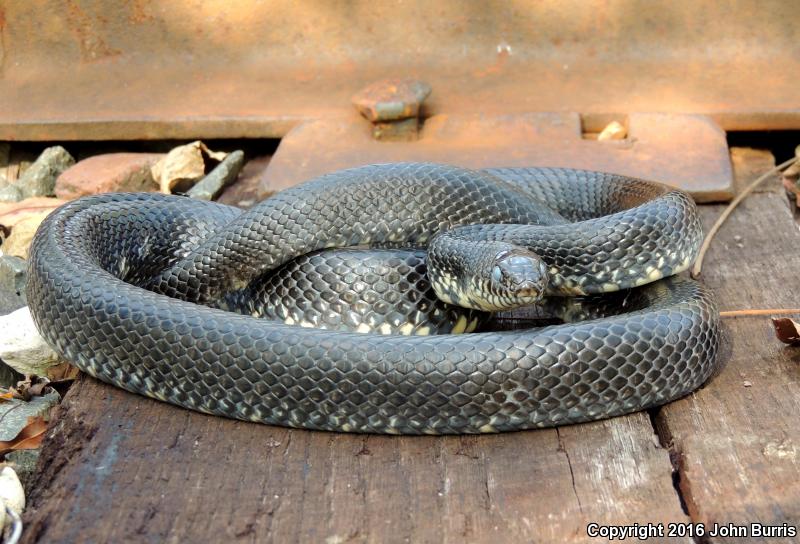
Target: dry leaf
{"x":184,"y":165}
{"x":62,"y":372}
{"x":787,"y":330}
{"x":31,"y":386}
{"x":29,"y":438}
{"x":61,"y":377}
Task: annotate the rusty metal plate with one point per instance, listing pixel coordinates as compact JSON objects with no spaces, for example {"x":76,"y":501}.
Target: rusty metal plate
{"x":135,"y":69}
{"x":687,"y":151}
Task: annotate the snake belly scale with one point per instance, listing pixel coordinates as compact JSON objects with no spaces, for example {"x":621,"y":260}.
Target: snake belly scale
{"x":129,"y":287}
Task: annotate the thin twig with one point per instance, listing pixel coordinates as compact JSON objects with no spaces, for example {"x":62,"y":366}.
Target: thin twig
{"x":698,"y":263}
{"x":10,"y":410}
{"x":748,"y":313}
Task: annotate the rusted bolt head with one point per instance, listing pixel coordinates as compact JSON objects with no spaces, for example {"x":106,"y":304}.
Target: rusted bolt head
{"x":391,"y":99}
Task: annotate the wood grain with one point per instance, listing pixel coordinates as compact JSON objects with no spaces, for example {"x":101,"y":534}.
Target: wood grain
{"x":736,"y":441}
{"x":120,"y":467}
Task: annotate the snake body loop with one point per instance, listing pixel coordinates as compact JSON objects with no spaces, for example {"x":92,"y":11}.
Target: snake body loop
{"x":129,"y":287}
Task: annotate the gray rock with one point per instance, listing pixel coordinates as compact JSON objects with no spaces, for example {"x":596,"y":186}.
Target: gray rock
{"x":14,"y":414}
{"x":14,"y":275}
{"x":24,"y":464}
{"x":220,"y":177}
{"x":10,"y":301}
{"x":8,"y":376}
{"x":22,"y":346}
{"x":40,"y":178}
{"x":5,"y":155}
{"x":10,"y":193}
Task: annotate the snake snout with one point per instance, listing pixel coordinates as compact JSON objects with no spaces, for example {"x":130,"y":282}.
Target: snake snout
{"x":521,"y":276}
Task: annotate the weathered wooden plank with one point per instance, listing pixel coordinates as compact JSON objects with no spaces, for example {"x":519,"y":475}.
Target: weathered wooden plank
{"x":736,"y":440}
{"x":120,"y":467}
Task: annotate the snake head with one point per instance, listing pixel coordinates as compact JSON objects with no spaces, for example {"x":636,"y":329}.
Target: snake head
{"x":486,"y":275}
{"x":519,"y":278}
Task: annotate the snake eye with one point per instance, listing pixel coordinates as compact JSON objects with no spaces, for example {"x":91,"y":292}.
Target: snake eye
{"x":497,"y":274}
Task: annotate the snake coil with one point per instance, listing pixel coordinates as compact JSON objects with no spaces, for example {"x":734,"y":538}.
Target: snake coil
{"x":128,"y":288}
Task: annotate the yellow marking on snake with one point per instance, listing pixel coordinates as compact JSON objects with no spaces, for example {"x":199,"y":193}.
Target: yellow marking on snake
{"x":460,"y":326}
{"x":363,"y":327}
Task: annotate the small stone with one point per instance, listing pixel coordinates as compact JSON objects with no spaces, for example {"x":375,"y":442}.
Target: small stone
{"x":248,"y":187}
{"x":22,"y":347}
{"x":19,"y":241}
{"x":14,"y":275}
{"x":13,"y":212}
{"x":18,"y":161}
{"x":5,"y":156}
{"x":613,"y":131}
{"x":10,"y":193}
{"x":391,"y":99}
{"x":12,"y":495}
{"x":108,"y":173}
{"x":23,"y":218}
{"x":8,"y":376}
{"x":747,"y":383}
{"x":183,"y":166}
{"x":226,"y":172}
{"x":40,"y":178}
{"x":10,"y":300}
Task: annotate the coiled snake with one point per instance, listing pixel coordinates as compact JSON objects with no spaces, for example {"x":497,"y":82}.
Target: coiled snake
{"x":155,"y":293}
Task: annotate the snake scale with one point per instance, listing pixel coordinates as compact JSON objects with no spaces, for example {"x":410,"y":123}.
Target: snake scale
{"x":176,"y":299}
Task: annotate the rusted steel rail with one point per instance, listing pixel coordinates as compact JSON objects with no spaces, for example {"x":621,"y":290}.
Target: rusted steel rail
{"x":137,"y":69}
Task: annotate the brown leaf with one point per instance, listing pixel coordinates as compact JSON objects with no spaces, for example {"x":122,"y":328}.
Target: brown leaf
{"x":31,"y":386}
{"x":62,"y":372}
{"x":787,"y":330}
{"x":29,"y":438}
